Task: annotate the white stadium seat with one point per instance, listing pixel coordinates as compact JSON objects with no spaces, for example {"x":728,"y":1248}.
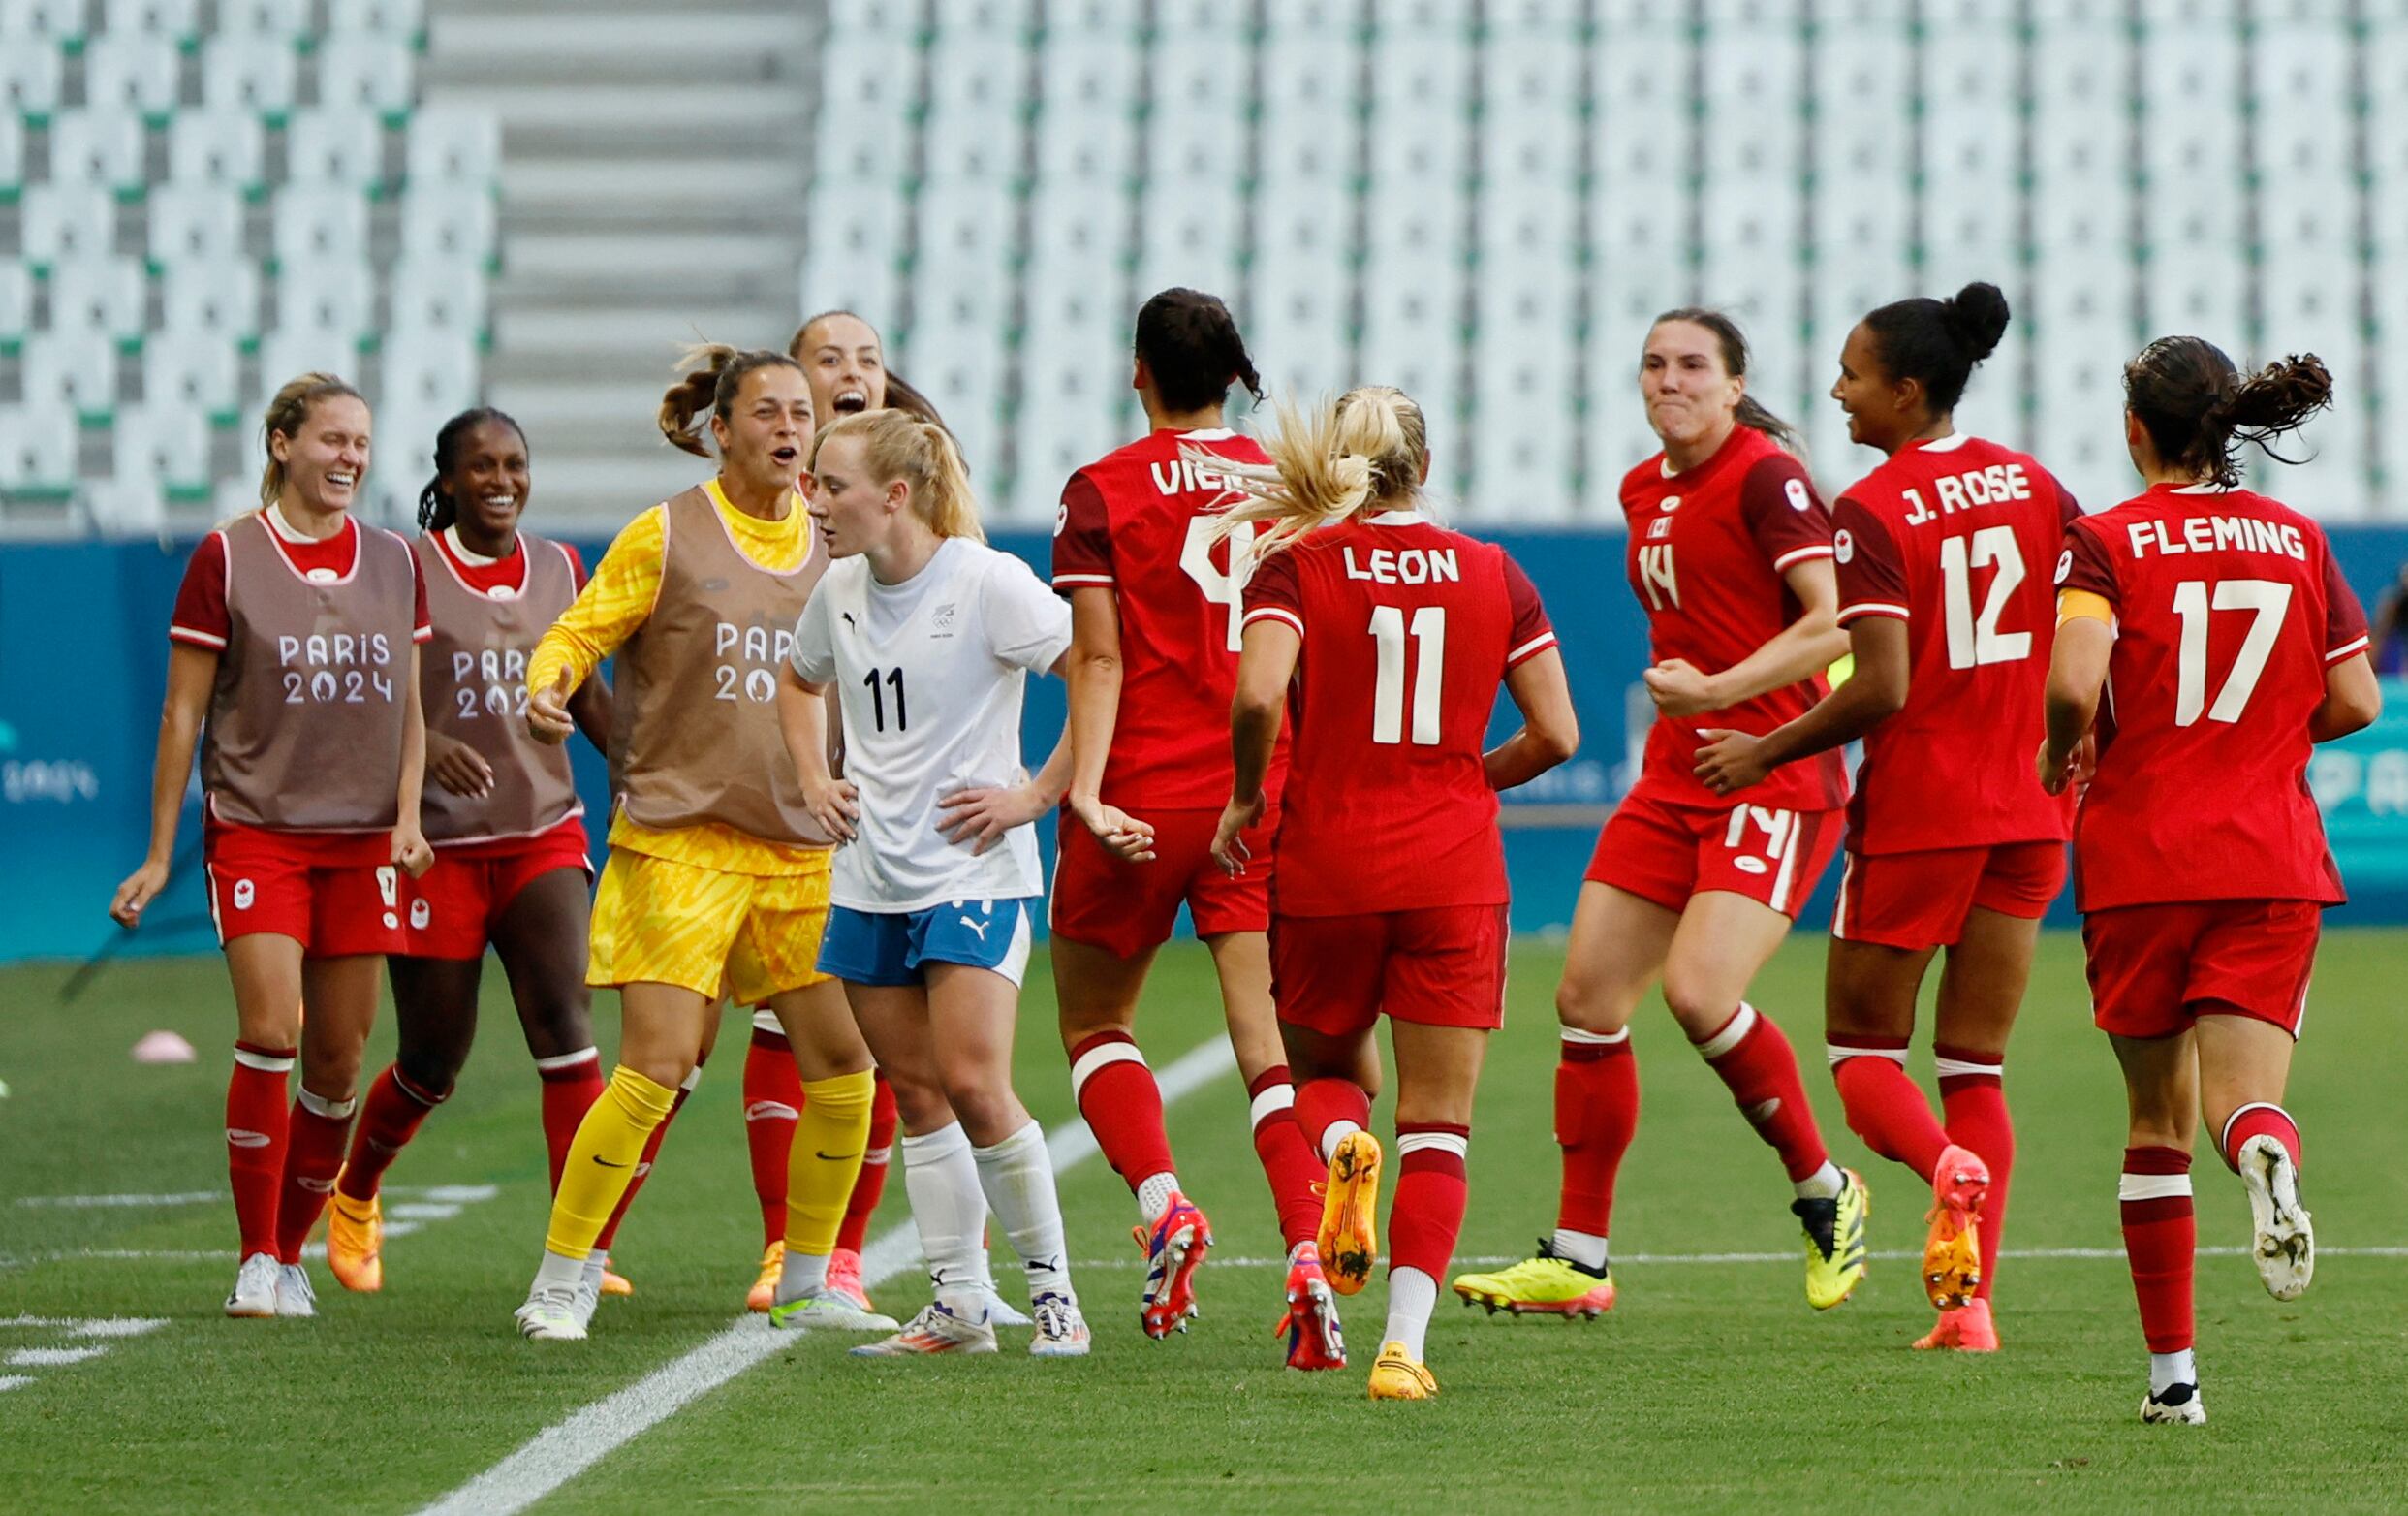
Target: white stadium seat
{"x":316,"y":223}
{"x":11,"y":148}
{"x":217,"y":147}
{"x":38,"y":445}
{"x":451,"y":222}
{"x":67,"y":221}
{"x":17,"y":300}
{"x":853,"y":244}
{"x":360,"y":69}
{"x":53,"y":20}
{"x":191,"y":368}
{"x":216,"y":296}
{"x":173,"y":20}
{"x":29,"y":76}
{"x":162,"y":445}
{"x":431,"y":294}
{"x":101,"y":147}
{"x":335,"y":297}
{"x":248,"y":71}
{"x":429,"y":372}
{"x":400,"y":20}
{"x":199,"y":221}
{"x":340,"y":146}
{"x":285,"y":353}
{"x":123,"y":507}
{"x":279,"y":18}
{"x":865,"y":119}
{"x":73,"y":368}
{"x":99,"y":295}
{"x":455,"y":145}
{"x":132,"y":71}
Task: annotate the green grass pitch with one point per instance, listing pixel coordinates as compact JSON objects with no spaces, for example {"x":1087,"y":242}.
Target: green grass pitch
{"x":1712,"y":1386}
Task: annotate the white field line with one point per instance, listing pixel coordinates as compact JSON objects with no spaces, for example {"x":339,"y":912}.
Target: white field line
{"x":1493,"y":1260}
{"x":436,"y":1193}
{"x":559,"y":1453}
{"x":437,"y":1203}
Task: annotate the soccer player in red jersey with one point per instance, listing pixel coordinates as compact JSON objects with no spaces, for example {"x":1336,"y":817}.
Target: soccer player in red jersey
{"x":1154,"y":614}
{"x":1384,"y":637}
{"x":2227,"y":646}
{"x":1731,"y":553}
{"x":1943,"y":556}
{"x":502,"y":813}
{"x":294,"y":669}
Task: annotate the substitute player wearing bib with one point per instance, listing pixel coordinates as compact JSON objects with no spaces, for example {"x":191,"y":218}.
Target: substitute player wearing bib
{"x":2226,"y":644}
{"x":502,"y":813}
{"x":1385,"y":638}
{"x":294,"y":669}
{"x":1154,"y":592}
{"x":1730,"y":552}
{"x":1952,"y":842}
{"x":927,"y":635}
{"x":717,"y":881}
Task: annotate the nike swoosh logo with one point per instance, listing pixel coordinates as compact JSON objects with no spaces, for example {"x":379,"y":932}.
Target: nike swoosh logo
{"x":838,"y":1157}
{"x":608,"y":1164}
{"x":772,"y":1110}
{"x":242,"y":1139}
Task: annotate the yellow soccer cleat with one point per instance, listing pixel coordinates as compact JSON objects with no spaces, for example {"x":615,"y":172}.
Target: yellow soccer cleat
{"x":1398,"y":1375}
{"x":1350,"y":1202}
{"x":616,"y":1283}
{"x":1542,"y":1284}
{"x":763,"y":1293}
{"x":356,"y":1242}
{"x":1953,"y":1249}
{"x":1835,"y":1241}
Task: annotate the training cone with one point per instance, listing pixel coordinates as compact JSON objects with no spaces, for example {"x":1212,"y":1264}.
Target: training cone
{"x":163,"y":1046}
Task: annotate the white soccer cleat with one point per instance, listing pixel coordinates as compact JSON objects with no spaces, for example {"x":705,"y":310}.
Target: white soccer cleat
{"x":295,"y":1296}
{"x":2176,"y":1406}
{"x":935,"y":1330}
{"x":827,"y":1312}
{"x":588,"y":1295}
{"x":549,"y":1316}
{"x":255,"y":1287}
{"x":2284,"y":1244}
{"x":1062,"y":1331}
{"x":1001,"y":1311}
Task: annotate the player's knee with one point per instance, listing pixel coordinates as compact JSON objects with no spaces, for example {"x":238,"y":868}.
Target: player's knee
{"x":558,"y":1023}
{"x":1698,"y":1002}
{"x":429,"y":1071}
{"x":1589,"y":1004}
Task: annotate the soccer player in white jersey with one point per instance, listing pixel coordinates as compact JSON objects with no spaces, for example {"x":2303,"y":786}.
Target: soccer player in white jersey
{"x":927,"y":636}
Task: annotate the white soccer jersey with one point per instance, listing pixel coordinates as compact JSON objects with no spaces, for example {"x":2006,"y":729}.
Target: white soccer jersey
{"x":929,"y":676}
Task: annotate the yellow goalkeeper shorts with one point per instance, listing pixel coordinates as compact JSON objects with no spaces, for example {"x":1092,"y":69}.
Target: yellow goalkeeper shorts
{"x":660,"y":921}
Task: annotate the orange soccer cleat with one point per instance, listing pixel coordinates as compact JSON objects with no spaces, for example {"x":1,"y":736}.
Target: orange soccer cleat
{"x":1953,"y":1252}
{"x":1348,"y":1242}
{"x":1311,"y":1323}
{"x":763,"y":1293}
{"x":1965,"y":1328}
{"x":356,"y":1242}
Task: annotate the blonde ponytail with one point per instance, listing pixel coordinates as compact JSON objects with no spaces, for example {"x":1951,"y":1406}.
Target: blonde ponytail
{"x":714,"y":375}
{"x":899,"y":445}
{"x":287,"y":413}
{"x":1367,"y":448}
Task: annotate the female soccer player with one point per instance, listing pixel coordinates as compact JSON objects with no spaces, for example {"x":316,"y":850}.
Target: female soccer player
{"x":295,"y":642}
{"x":1943,"y":555}
{"x":1153,"y":662}
{"x":717,"y":880}
{"x":505,"y":821}
{"x":927,"y":635}
{"x":1730,"y":550}
{"x":847,"y":362}
{"x":2232,"y":646}
{"x":1385,"y":636}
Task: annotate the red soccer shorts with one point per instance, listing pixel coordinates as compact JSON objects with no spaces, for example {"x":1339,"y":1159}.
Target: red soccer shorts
{"x":1916,"y":900}
{"x":1443,"y":966}
{"x":455,"y":905}
{"x":2155,"y":968}
{"x":338,"y":893}
{"x":1126,"y":909}
{"x":1667,"y":853}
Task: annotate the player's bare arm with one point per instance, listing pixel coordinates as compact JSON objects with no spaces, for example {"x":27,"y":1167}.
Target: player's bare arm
{"x":1551,"y":728}
{"x":192,"y":672}
{"x":1265,"y":663}
{"x":1873,"y":693}
{"x":1805,"y":648}
{"x":411,"y":854}
{"x":2353,"y":698}
{"x":802,"y":720}
{"x":2076,"y":672}
{"x":1092,"y":671}
{"x":981,"y":814}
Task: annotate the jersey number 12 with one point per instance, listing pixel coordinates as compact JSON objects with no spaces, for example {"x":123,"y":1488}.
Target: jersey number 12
{"x":1388,"y":691}
{"x":1976,"y":640}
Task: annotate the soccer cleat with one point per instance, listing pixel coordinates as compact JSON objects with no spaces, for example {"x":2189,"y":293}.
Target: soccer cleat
{"x":1348,"y":1242}
{"x":295,"y":1296}
{"x":1173,"y":1246}
{"x":614,"y":1284}
{"x":763,"y":1293}
{"x":935,"y":1330}
{"x":2174,"y":1406}
{"x":550,"y":1316}
{"x":1543,"y":1285}
{"x":827,"y":1312}
{"x":1835,"y":1241}
{"x":2284,"y":1240}
{"x":844,"y":1278}
{"x":1398,"y":1375}
{"x":356,"y":1242}
{"x":588,"y":1293}
{"x":255,"y":1287}
{"x":1966,"y":1328}
{"x":1953,"y":1249}
{"x":1062,"y":1331}
{"x":1313,"y":1319}
{"x":1001,"y":1311}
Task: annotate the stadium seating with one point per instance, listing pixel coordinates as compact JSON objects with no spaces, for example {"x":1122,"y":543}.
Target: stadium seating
{"x":189,"y":215}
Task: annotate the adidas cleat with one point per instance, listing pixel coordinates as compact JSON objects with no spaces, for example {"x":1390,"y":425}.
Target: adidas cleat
{"x":1835,"y":1241}
{"x":295,"y":1296}
{"x":1396,"y":1376}
{"x":2176,"y":1406}
{"x":1173,"y":1246}
{"x":550,"y":1316}
{"x":763,"y":1293}
{"x":844,"y":1279}
{"x":1062,"y":1331}
{"x":1965,"y":1328}
{"x":2283,"y":1240}
{"x":355,"y":1240}
{"x":1348,"y":1242}
{"x":1543,"y":1285}
{"x":827,"y":1312}
{"x":1311,"y":1323}
{"x":255,"y":1287}
{"x":935,"y":1330}
{"x":1953,"y":1249}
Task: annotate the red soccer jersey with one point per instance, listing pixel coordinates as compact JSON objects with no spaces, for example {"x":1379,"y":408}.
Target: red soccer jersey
{"x":2227,"y":612}
{"x":1140,"y":521}
{"x":1958,"y":539}
{"x":201,"y":619}
{"x":507,"y":572}
{"x":1707,"y":550}
{"x":1408,"y":630}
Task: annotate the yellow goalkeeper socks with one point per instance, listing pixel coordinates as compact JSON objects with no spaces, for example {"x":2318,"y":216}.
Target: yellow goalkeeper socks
{"x":602,"y":1161}
{"x":826,"y":1160}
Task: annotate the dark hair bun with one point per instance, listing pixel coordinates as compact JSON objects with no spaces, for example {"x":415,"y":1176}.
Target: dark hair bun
{"x":1975,"y":319}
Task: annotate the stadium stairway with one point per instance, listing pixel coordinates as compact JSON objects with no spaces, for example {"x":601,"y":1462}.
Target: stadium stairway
{"x":654,"y":157}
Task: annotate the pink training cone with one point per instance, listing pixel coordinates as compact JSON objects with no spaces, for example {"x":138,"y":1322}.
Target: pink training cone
{"x":163,"y":1046}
